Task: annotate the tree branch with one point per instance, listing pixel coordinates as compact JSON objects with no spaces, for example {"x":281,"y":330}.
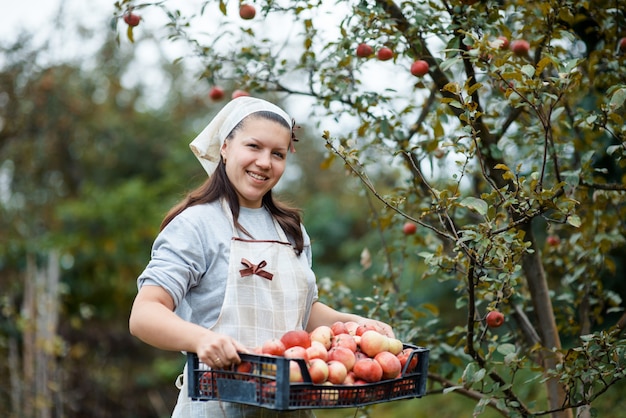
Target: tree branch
{"x":445,"y":383}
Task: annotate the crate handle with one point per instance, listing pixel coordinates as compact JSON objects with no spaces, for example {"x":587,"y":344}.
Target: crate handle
{"x":415,"y":351}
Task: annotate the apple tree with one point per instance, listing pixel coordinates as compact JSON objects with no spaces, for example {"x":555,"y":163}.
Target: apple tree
{"x":503,"y":123}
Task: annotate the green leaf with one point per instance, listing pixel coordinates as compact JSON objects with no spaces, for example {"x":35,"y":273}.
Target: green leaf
{"x":510,"y":358}
{"x":528,"y":70}
{"x":451,"y":389}
{"x":447,"y":64}
{"x":480,"y":375}
{"x":570,"y":65}
{"x":591,"y":119}
{"x":469,"y":372}
{"x":574,"y":220}
{"x":618,"y":98}
{"x":475,"y":204}
{"x":506,"y":349}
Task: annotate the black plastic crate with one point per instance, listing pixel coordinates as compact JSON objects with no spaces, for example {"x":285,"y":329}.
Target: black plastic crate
{"x":263,"y":380}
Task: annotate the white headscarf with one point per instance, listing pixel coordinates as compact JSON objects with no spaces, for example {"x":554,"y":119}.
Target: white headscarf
{"x":207,"y":145}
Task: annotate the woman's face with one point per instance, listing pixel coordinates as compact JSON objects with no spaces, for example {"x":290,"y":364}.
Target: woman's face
{"x":255,"y":158}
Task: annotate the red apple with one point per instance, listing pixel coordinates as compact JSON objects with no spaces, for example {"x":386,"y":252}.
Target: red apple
{"x":273,"y":347}
{"x":239,"y":93}
{"x":268,"y":391}
{"x":345,"y":340}
{"x":504,"y":42}
{"x":419,"y":68}
{"x":297,"y":337}
{"x":409,"y":228}
{"x":296,"y":352}
{"x":317,"y":350}
{"x":318,"y":369}
{"x":131,"y":18}
{"x":337,"y":372}
{"x":343,"y":355}
{"x":395,"y":346}
{"x":373,"y":342}
{"x":207,"y":384}
{"x":384,"y":54}
{"x":329,"y":396}
{"x":350,"y":378}
{"x":216,"y":93}
{"x":622,"y":44}
{"x":247,"y":11}
{"x":244,"y":367}
{"x":323,"y":334}
{"x":368,"y":369}
{"x":339,"y":328}
{"x":268,"y":368}
{"x":364,"y":50}
{"x":351,"y":326}
{"x":520,"y":47}
{"x":295,"y":372}
{"x":553,"y":240}
{"x":404,"y":357}
{"x":389,"y":363}
{"x":494,"y":319}
{"x":360,"y":330}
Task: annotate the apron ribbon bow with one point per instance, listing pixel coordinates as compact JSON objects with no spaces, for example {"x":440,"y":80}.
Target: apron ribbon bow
{"x":255,"y":269}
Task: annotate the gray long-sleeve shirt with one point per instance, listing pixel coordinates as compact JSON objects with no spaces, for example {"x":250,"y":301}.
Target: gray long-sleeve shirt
{"x":190,"y":258}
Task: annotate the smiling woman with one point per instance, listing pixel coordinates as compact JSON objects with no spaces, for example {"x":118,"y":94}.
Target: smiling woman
{"x":231,"y":267}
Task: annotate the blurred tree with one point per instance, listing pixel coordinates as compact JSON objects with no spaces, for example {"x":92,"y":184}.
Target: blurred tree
{"x":511,"y":153}
{"x":86,"y":178}
{"x":88,"y":168}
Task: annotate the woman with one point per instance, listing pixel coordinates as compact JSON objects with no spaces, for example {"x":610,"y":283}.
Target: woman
{"x":231,"y":267}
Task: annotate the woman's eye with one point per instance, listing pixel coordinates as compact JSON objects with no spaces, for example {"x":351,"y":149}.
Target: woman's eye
{"x":279,"y":155}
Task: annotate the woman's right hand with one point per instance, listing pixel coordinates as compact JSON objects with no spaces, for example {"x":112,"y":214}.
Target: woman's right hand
{"x":153,"y":321}
{"x":219,"y":350}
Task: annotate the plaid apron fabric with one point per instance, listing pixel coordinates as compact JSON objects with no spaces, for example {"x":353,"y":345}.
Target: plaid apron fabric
{"x":266,"y":293}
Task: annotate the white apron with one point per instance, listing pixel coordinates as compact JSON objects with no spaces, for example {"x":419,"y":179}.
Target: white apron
{"x":266,"y":296}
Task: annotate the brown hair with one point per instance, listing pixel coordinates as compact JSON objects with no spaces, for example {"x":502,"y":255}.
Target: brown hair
{"x":218,"y":186}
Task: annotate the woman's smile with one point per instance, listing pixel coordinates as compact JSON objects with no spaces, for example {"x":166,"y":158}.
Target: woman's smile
{"x":257,"y":176}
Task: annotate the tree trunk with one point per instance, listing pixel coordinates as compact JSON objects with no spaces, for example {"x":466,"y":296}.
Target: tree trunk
{"x":40,"y":312}
{"x":15,"y":377}
{"x":28,"y":313}
{"x":540,"y":295}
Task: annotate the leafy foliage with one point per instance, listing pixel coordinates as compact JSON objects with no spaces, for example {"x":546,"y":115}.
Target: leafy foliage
{"x":496,"y":149}
{"x":85,"y":183}
{"x":511,"y":165}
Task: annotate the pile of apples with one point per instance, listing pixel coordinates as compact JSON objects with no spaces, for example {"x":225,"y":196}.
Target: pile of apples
{"x":346,"y":353}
